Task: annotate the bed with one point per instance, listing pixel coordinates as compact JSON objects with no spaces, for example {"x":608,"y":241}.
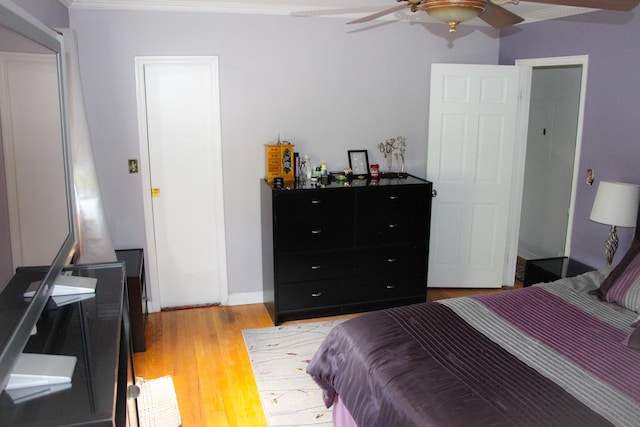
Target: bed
{"x":557,"y":354}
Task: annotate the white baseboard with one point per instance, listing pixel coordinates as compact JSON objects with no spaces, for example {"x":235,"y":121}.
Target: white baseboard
{"x":239,"y":298}
{"x":244,"y":298}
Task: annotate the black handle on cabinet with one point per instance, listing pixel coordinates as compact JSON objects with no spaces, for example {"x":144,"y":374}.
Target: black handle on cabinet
{"x":316,"y":267}
{"x":394,"y":197}
{"x":316,"y":294}
{"x":391,"y":286}
{"x":391,"y":260}
{"x":318,"y":231}
{"x":316,"y":201}
{"x":393,"y":225}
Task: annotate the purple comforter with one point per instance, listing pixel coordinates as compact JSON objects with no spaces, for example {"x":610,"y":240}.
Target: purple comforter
{"x":531,"y":357}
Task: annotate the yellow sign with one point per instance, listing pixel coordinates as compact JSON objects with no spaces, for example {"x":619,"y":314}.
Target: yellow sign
{"x":155,"y":192}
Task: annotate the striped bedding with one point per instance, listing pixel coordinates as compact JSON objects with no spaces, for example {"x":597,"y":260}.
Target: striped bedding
{"x":547,"y":355}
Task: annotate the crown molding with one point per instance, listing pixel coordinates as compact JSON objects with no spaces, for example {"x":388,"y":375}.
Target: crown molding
{"x":531,"y":12}
{"x":181,"y":6}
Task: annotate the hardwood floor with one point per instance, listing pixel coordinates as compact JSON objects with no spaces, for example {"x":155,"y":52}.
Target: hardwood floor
{"x":204,"y":352}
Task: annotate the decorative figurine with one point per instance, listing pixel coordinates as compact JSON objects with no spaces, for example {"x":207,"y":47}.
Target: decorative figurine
{"x":394,"y":147}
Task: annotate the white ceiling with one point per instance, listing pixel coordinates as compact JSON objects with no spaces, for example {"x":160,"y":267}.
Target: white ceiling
{"x":351,"y":9}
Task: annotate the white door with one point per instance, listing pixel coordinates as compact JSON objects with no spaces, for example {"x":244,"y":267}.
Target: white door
{"x":470,"y":155}
{"x":181,"y":163}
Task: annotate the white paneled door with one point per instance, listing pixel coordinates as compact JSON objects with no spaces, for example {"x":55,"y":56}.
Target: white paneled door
{"x":178,"y":103}
{"x":470,"y":155}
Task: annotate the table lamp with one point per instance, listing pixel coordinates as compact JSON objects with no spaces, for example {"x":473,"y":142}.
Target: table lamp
{"x":616,"y":204}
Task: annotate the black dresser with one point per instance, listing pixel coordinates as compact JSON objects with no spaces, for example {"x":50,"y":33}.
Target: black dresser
{"x":335,"y":248}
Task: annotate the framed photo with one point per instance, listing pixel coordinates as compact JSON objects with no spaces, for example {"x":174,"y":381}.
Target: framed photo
{"x":359,"y":162}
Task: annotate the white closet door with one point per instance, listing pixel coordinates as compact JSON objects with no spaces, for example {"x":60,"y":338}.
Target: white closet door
{"x":182,"y":126}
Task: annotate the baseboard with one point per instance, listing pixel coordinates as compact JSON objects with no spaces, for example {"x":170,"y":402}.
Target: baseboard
{"x":242,"y":298}
{"x":239,"y":298}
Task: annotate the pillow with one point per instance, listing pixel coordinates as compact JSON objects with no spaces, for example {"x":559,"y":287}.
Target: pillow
{"x":617,"y":271}
{"x":625,"y":290}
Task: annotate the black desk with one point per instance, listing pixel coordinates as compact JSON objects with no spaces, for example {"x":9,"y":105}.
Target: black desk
{"x":96,"y":331}
{"x":551,"y":269}
{"x":136,"y":289}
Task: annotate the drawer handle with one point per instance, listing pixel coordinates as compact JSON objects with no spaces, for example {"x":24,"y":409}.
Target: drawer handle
{"x":394,"y":197}
{"x":316,"y":267}
{"x":316,"y":294}
{"x":393,"y":225}
{"x":316,"y":231}
{"x":392,"y":259}
{"x":391,"y":286}
{"x":316,"y":202}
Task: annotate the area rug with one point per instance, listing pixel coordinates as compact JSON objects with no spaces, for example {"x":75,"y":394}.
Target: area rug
{"x":157,"y":403}
{"x":279,"y":357}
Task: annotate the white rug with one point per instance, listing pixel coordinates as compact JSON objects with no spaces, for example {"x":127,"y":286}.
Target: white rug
{"x":157,"y":403}
{"x":279,"y":357}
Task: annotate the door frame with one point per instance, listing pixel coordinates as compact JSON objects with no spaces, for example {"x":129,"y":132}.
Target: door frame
{"x":526,"y":67}
{"x":145,"y":176}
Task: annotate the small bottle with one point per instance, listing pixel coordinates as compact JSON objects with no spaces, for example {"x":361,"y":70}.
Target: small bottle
{"x":375,"y":171}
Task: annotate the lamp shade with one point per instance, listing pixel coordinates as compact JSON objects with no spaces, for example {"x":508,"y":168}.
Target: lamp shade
{"x":616,"y":204}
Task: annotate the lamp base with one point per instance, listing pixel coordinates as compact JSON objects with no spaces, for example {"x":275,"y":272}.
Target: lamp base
{"x":611,"y":245}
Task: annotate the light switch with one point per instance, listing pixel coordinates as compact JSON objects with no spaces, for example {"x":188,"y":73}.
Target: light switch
{"x":133,"y":165}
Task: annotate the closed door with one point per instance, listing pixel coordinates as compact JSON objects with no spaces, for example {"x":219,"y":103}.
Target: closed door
{"x":472,"y":134}
{"x":181,"y":163}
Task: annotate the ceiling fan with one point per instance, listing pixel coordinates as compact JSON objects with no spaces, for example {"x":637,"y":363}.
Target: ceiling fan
{"x":453,"y":12}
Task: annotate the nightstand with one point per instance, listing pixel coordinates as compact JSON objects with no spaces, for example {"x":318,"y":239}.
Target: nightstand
{"x":136,"y":290}
{"x":551,"y":269}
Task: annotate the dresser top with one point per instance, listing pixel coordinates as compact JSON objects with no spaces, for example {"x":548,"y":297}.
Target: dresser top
{"x":330,"y":183}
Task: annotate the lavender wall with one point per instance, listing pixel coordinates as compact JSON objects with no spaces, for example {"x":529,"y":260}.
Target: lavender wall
{"x":50,"y":12}
{"x":611,"y":136}
{"x":323,"y":85}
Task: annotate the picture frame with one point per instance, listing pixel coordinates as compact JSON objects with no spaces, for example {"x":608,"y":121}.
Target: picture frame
{"x":359,"y":162}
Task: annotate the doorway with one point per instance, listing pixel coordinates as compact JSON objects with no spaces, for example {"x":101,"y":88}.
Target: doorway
{"x":553,"y":143}
{"x":181,"y":169}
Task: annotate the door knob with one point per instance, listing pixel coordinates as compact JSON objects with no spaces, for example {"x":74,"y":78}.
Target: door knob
{"x":434,"y":192}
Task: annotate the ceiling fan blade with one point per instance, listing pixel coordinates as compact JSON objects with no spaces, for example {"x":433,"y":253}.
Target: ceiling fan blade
{"x":499,"y":17}
{"x":379,"y":14}
{"x":594,"y":4}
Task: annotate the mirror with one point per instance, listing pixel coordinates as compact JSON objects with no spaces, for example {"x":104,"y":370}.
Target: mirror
{"x":37,"y":214}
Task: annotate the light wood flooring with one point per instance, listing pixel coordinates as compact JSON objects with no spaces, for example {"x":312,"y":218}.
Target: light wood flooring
{"x":204,"y":352}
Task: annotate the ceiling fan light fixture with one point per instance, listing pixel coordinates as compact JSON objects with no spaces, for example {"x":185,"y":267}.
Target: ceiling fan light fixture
{"x":453,"y":12}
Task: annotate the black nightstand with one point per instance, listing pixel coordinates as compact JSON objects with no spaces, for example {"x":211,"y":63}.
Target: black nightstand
{"x":136,"y":290}
{"x":550,"y":269}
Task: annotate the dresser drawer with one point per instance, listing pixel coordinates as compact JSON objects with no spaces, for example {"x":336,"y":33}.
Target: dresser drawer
{"x":383,"y":288}
{"x":393,"y":215}
{"x":308,"y":295}
{"x":305,"y":266}
{"x":394,"y":261}
{"x":292,"y":204}
{"x":307,"y":232}
{"x":372,"y":201}
{"x":393,"y":228}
